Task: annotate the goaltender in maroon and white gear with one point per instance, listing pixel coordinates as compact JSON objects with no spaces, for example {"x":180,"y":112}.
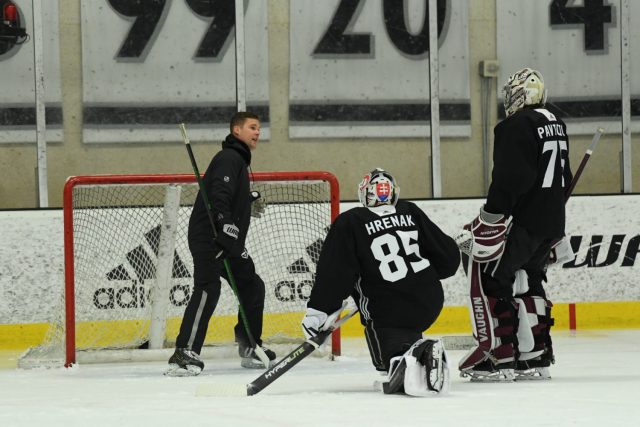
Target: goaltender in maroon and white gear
{"x":510,"y":243}
{"x":389,"y":257}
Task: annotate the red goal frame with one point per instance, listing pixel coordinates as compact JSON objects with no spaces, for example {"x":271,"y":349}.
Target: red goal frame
{"x":74,"y":181}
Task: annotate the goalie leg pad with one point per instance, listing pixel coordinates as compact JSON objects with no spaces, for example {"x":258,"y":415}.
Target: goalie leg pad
{"x":535,"y":312}
{"x":494,"y":322}
{"x":422,"y":371}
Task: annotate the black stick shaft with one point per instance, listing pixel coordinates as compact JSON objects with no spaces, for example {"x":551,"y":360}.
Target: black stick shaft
{"x":293,"y":358}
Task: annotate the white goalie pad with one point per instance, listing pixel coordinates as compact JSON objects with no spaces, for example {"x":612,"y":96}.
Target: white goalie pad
{"x":425,"y":370}
{"x":527,"y":320}
{"x":521,"y":283}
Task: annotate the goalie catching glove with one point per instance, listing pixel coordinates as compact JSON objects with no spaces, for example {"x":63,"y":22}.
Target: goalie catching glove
{"x":316,"y":321}
{"x":258,"y":204}
{"x":485,"y":237}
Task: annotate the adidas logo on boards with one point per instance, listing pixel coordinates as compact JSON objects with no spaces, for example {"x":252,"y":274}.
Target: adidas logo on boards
{"x":143,"y":266}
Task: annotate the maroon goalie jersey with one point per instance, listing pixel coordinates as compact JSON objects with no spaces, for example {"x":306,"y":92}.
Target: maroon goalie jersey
{"x":391,"y":262}
{"x":531,"y":171}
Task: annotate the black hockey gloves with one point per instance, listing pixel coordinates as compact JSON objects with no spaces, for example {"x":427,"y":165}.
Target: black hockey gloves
{"x":227,"y":236}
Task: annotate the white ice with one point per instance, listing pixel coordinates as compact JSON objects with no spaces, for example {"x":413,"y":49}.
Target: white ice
{"x":596,"y":382}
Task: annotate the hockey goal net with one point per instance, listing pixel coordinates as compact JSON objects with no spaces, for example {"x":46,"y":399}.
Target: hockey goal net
{"x":128,"y":269}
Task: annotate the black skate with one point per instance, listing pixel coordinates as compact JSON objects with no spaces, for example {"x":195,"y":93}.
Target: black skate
{"x":184,"y":363}
{"x":487,"y":371}
{"x":536,"y":368}
{"x":249,"y":358}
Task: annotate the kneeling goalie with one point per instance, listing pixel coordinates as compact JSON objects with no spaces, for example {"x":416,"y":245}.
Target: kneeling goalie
{"x":390,"y":258}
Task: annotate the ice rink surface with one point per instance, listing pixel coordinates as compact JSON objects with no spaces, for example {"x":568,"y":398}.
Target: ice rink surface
{"x":596,"y":382}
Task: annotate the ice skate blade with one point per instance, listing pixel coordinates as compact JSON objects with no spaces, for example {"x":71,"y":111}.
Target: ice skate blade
{"x":175,"y":370}
{"x":533,"y":374}
{"x":499,"y":376}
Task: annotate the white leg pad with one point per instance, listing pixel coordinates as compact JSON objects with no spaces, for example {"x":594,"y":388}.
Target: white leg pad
{"x":521,"y":283}
{"x":525,"y":323}
{"x":421,"y":380}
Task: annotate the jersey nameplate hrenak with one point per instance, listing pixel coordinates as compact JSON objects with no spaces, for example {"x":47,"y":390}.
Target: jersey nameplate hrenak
{"x":388,"y":222}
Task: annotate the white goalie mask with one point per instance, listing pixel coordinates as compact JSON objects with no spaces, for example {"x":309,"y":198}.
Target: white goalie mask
{"x":525,"y":87}
{"x":378,"y":188}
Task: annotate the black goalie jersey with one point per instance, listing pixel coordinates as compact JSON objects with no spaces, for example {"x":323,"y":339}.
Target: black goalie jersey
{"x":531,"y":171}
{"x":391,"y":262}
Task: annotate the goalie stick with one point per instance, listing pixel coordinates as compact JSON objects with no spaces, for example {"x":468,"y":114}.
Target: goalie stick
{"x":293,"y":358}
{"x":258,"y":350}
{"x":583,"y":163}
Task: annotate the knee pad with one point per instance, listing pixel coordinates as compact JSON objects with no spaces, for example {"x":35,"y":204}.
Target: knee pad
{"x":494,"y":322}
{"x":535,"y":321}
{"x":422,"y":371}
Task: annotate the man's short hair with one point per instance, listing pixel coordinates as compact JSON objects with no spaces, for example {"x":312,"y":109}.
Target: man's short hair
{"x":240,"y":117}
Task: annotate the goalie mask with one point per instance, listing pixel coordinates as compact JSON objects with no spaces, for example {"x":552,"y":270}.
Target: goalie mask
{"x":525,"y":87}
{"x":378,"y":188}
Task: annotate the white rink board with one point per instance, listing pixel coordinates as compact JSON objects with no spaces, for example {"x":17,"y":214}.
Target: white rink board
{"x":32,"y":272}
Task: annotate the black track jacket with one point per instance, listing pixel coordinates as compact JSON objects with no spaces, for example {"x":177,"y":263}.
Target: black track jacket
{"x":227,"y":184}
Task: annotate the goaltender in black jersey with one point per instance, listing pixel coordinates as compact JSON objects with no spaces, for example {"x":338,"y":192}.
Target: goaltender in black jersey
{"x":517,"y":235}
{"x":390,"y":257}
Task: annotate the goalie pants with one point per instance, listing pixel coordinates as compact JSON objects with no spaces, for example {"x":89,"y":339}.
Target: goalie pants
{"x":386,"y":343}
{"x":522,"y":251}
{"x":206,"y":293}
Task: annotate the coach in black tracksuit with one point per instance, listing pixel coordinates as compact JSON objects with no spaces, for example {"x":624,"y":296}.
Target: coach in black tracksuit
{"x":226,"y":181}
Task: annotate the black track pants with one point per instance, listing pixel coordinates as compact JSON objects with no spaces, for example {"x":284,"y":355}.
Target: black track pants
{"x":206,"y":293}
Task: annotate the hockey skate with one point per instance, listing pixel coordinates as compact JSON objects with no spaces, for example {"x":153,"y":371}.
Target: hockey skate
{"x":184,"y":363}
{"x":249,"y":358}
{"x":534,"y":369}
{"x":487,"y":371}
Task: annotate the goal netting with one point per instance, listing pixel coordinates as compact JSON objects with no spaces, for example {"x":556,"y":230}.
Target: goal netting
{"x":128,"y":269}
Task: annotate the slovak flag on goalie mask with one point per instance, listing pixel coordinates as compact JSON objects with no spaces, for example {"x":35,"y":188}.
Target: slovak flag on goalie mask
{"x":383,"y":191}
{"x":378,"y":188}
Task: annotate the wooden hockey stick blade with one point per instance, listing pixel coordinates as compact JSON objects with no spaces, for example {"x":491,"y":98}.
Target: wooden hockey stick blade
{"x":293,"y":358}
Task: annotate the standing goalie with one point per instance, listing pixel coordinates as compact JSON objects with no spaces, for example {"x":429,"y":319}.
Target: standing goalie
{"x":512,"y":240}
{"x":390,"y":258}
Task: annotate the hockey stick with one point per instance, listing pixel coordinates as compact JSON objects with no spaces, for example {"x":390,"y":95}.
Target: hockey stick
{"x":583,"y":163}
{"x":293,"y":358}
{"x":259,"y":351}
